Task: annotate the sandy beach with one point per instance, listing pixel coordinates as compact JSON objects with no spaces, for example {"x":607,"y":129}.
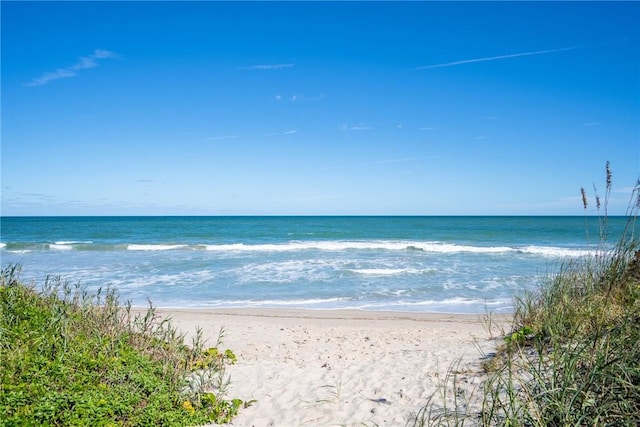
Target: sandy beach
{"x":332,"y":368}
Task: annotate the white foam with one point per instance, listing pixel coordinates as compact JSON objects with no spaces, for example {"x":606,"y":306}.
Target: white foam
{"x":392,"y":245}
{"x":453,"y":305}
{"x":153,"y":247}
{"x":3,"y":245}
{"x":73,"y":242}
{"x":60,"y":247}
{"x":275,"y":247}
{"x":267,"y":303}
{"x":302,"y":302}
{"x":292,"y":271}
{"x":449,"y":302}
{"x":341,"y":245}
{"x":387,"y":271}
{"x":551,"y":251}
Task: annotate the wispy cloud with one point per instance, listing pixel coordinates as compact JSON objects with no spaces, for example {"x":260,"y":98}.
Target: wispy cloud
{"x":268,"y":66}
{"x":84,"y":62}
{"x":495,"y":58}
{"x":286,"y":132}
{"x":624,"y":190}
{"x":299,"y":97}
{"x":346,"y":127}
{"x":220,"y":138}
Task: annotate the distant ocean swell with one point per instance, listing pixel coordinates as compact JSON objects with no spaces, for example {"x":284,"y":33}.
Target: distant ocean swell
{"x":326,"y":246}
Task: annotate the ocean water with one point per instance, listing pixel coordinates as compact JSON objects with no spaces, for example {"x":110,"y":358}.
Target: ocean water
{"x":426,"y":264}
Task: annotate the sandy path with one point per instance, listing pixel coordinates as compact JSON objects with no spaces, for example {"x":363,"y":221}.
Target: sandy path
{"x":326,"y":368}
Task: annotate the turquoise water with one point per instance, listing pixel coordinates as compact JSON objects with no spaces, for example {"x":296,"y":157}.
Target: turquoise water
{"x":427,"y":264}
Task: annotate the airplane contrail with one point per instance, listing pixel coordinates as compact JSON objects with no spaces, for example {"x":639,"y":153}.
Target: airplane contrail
{"x":495,"y":58}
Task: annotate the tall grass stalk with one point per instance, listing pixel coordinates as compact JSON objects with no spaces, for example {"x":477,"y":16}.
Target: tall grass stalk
{"x":572,"y":356}
{"x":577,"y":361}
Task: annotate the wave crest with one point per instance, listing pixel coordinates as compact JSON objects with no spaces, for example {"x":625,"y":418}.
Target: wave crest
{"x":138,"y":247}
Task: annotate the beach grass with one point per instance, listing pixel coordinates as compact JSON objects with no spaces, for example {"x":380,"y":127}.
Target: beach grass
{"x":70,"y":358}
{"x":571,"y":357}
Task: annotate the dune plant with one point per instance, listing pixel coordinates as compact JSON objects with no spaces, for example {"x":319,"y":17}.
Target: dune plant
{"x":571,"y":358}
{"x":71,"y":358}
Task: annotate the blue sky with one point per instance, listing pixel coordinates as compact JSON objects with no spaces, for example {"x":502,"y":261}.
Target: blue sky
{"x":317,"y":108}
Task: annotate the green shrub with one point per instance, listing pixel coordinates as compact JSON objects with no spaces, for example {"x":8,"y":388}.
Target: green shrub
{"x":71,"y":359}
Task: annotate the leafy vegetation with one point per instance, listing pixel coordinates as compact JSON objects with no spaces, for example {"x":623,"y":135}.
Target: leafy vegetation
{"x":70,"y":358}
{"x":572,"y":356}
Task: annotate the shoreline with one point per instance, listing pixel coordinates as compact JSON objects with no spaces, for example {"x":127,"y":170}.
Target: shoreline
{"x":321,"y":313}
{"x":340,"y":367}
